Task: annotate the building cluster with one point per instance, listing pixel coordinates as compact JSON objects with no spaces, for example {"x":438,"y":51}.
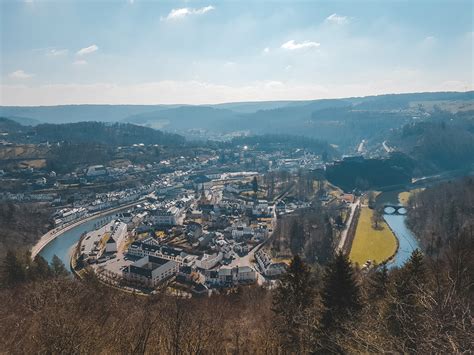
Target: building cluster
{"x":196,"y":230}
{"x":102,"y":244}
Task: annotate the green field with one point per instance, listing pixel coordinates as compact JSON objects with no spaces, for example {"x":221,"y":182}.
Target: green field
{"x":370,"y":243}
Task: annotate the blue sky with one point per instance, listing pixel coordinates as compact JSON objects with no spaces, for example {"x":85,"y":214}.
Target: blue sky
{"x":151,"y":52}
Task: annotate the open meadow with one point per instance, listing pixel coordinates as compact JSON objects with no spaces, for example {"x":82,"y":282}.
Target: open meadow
{"x":370,"y":243}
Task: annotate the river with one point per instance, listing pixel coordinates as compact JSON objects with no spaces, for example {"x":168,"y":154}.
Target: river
{"x":406,"y":239}
{"x":63,"y":244}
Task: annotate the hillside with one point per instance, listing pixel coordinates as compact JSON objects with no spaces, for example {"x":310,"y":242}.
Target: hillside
{"x":344,"y":122}
{"x":114,"y":134}
{"x":444,"y":142}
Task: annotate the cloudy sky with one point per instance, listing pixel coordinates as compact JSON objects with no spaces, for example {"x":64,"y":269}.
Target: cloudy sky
{"x":151,"y":52}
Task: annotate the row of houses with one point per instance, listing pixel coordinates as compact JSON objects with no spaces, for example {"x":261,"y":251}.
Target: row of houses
{"x":267,"y":266}
{"x":231,"y":276}
{"x":150,"y":247}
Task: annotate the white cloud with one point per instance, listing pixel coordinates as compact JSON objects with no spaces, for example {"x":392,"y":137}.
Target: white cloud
{"x":80,"y":62}
{"x":20,"y":74}
{"x":293,"y":45}
{"x":337,"y":19}
{"x":87,"y":50}
{"x":266,"y":50}
{"x":57,"y":52}
{"x":176,"y":14}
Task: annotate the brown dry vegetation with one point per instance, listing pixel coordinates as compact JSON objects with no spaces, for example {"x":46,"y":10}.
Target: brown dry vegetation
{"x":21,"y":225}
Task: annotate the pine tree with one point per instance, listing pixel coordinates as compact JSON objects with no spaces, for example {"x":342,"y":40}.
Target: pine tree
{"x":13,"y":270}
{"x":40,"y":269}
{"x":58,"y":268}
{"x":293,"y":297}
{"x":415,"y":268}
{"x":296,"y":237}
{"x":404,"y":311}
{"x":341,"y":293}
{"x":378,"y":283}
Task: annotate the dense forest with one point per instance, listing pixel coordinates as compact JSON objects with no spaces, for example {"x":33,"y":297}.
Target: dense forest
{"x":103,"y":133}
{"x":113,"y":134}
{"x":21,"y":225}
{"x":437,"y":215}
{"x":423,"y":307}
{"x":445,"y":142}
{"x":360,"y":173}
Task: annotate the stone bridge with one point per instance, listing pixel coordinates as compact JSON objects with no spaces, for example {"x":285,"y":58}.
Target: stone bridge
{"x":394,"y":209}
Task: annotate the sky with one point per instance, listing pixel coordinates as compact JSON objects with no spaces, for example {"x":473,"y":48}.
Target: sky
{"x":193,"y":52}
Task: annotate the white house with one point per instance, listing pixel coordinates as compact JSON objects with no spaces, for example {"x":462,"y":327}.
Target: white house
{"x":151,"y":270}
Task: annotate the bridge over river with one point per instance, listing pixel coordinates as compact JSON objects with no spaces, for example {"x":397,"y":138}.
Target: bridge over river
{"x":394,"y":210}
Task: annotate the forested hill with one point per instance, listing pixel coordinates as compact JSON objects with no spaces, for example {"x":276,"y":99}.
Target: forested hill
{"x":101,"y":133}
{"x":444,"y":142}
{"x":439,"y":214}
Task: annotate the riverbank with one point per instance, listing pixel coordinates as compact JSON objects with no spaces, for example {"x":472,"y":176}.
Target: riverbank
{"x":57,"y":232}
{"x":378,"y":245}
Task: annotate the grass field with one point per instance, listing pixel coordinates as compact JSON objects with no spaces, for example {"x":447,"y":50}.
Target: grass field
{"x":370,"y":243}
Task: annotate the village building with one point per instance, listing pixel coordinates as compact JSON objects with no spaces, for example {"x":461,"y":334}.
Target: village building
{"x":150,"y":270}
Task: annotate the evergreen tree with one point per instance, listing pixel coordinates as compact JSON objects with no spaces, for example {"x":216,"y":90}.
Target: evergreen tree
{"x":13,"y":269}
{"x":39,"y":269}
{"x":378,"y":283}
{"x":292,"y":299}
{"x":296,"y":237}
{"x":341,"y":294}
{"x":404,"y":311}
{"x":326,"y":249}
{"x":416,"y":269}
{"x":58,"y":268}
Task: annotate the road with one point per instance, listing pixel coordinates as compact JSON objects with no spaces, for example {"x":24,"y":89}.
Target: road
{"x":342,"y":241}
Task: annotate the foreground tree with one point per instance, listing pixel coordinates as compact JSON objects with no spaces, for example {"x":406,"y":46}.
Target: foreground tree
{"x":58,"y":268}
{"x":404,"y":314}
{"x":340,"y":294}
{"x":13,"y":269}
{"x":292,"y":302}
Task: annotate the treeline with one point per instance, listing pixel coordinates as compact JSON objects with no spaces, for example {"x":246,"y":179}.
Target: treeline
{"x":446,"y":142}
{"x":18,"y":268}
{"x":108,"y":134}
{"x":21,"y":225}
{"x":419,"y":308}
{"x":440,"y":213}
{"x":364,"y":174}
{"x":115,"y":134}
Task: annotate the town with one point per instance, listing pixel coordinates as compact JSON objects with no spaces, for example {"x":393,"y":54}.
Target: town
{"x":195,"y":225}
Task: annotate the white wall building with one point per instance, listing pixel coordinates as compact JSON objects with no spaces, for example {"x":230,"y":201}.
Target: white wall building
{"x":151,"y":270}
